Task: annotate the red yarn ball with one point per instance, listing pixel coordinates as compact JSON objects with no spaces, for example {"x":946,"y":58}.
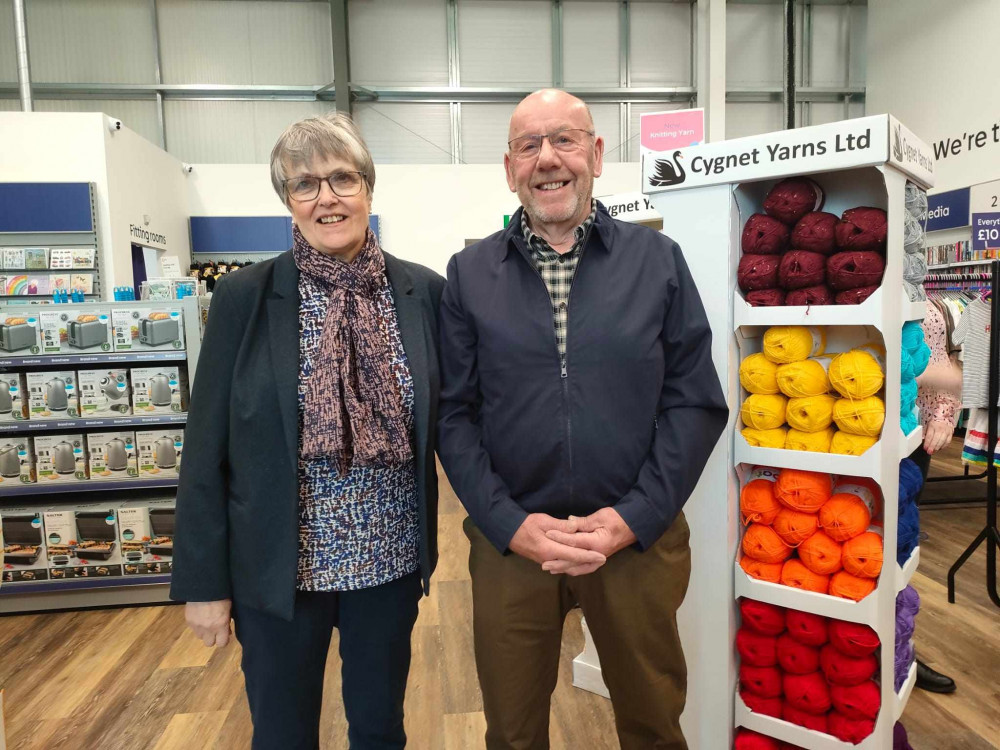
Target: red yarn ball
{"x":857,"y":701}
{"x":814,"y":232}
{"x":762,"y":681}
{"x":765,"y":297}
{"x":791,"y":199}
{"x":766,"y":619}
{"x":810,"y":295}
{"x":794,"y":657}
{"x":849,"y":270}
{"x":807,"y":628}
{"x":763,"y":235}
{"x":862,"y":228}
{"x":846,"y":670}
{"x":758,"y":272}
{"x":855,"y":296}
{"x":755,"y":649}
{"x":801,"y":268}
{"x":849,"y":730}
{"x":853,"y":639}
{"x":747,"y":739}
{"x":791,"y":714}
{"x":807,"y":692}
{"x":760,"y":705}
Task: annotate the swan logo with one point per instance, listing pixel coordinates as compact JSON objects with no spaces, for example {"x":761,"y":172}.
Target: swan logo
{"x":897,"y":144}
{"x":667,"y":172}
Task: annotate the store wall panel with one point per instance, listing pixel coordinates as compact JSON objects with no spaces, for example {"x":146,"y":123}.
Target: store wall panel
{"x":10,"y":105}
{"x":637,"y":111}
{"x":138,"y":115}
{"x":398,"y":49}
{"x":661,"y":44}
{"x":590,"y":43}
{"x":291,"y":43}
{"x":831,"y":28}
{"x":400,"y":133}
{"x":8,"y":55}
{"x":752,"y":118}
{"x":271,"y":118}
{"x":821,"y":113}
{"x":90,"y":41}
{"x":505,"y":43}
{"x":485,"y":130}
{"x":607,"y":126}
{"x":754,"y":45}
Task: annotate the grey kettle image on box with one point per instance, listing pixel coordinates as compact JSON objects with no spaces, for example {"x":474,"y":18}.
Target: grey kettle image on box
{"x":6,"y":405}
{"x":63,"y":458}
{"x":159,"y":390}
{"x":55,"y":394}
{"x":10,"y":462}
{"x":117,"y":457}
{"x":165,"y":453}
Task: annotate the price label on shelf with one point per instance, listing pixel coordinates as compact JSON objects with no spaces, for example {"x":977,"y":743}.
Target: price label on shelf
{"x":986,"y":231}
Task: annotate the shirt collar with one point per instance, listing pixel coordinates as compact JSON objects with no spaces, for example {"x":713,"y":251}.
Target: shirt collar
{"x":539,"y":246}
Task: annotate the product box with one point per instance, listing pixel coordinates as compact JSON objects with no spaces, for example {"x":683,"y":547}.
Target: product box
{"x":147,"y":536}
{"x":17,"y":461}
{"x":148,"y":327}
{"x":159,"y":452}
{"x":82,"y":542}
{"x":19,"y":334}
{"x":13,"y":403}
{"x":75,"y":330}
{"x":53,"y":395}
{"x":61,"y":458}
{"x":104,"y":393}
{"x":24,"y":557}
{"x":159,"y":390}
{"x":113,"y":456}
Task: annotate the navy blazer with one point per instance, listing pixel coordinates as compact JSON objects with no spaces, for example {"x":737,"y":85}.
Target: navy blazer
{"x":237,"y":530}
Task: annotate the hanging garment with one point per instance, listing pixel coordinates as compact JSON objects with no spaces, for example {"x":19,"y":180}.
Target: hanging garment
{"x":973,"y":333}
{"x":976,"y":446}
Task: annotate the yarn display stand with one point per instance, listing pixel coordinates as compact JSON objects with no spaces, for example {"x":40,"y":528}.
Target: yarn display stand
{"x":990,"y":535}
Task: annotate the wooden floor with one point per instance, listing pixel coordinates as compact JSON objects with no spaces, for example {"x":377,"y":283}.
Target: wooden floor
{"x":134,"y":679}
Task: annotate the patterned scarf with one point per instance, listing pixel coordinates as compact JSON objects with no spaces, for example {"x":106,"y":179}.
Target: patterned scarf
{"x":353,"y":408}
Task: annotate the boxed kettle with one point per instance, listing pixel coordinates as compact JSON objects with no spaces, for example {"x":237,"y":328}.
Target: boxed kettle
{"x":17,"y":461}
{"x":13,"y":397}
{"x":20,"y":334}
{"x":160,"y":452}
{"x":53,"y":395}
{"x":82,"y":542}
{"x":61,"y":458}
{"x":159,"y":390}
{"x":76,"y":330}
{"x":24,"y":558}
{"x":104,"y":393}
{"x":113,"y":456}
{"x":148,"y":328}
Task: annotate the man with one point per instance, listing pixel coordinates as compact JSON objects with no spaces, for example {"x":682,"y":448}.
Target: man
{"x":579,"y":405}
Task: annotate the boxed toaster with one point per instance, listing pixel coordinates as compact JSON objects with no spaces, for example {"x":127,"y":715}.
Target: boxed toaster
{"x":82,"y":542}
{"x":53,"y":395}
{"x":147,"y":536}
{"x":61,"y":458}
{"x":103,"y":393}
{"x":75,"y":330}
{"x":159,"y":452}
{"x":13,"y":397}
{"x":17,"y":460}
{"x":112,"y":455}
{"x":148,"y":328}
{"x":159,"y":390}
{"x":24,"y":557}
{"x":20,"y":334}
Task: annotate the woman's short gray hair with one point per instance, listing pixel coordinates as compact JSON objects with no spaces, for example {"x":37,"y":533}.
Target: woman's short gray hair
{"x":314,"y":139}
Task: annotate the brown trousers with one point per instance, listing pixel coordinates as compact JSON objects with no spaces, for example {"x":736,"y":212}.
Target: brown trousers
{"x":630,"y":604}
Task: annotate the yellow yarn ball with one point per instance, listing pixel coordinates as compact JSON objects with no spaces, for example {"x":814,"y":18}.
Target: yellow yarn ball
{"x":764,"y":412}
{"x":814,"y":442}
{"x":860,"y":416}
{"x":856,"y":374}
{"x":810,"y":414}
{"x":805,"y":378}
{"x":765,"y":438}
{"x":784,"y":344}
{"x":757,"y":374}
{"x":847,"y":444}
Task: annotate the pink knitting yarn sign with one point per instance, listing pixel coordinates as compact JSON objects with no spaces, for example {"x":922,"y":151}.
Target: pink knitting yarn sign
{"x":662,"y":131}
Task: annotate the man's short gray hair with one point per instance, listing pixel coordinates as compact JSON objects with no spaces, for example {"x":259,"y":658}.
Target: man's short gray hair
{"x":314,"y":139}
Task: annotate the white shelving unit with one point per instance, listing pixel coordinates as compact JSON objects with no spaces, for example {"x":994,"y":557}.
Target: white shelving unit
{"x":704,"y":213}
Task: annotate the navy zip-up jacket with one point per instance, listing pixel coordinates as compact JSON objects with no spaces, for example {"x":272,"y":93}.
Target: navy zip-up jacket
{"x":631,"y":422}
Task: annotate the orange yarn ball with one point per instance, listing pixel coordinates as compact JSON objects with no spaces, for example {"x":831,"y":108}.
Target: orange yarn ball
{"x":762,"y":543}
{"x":757,"y":501}
{"x":821,"y":554}
{"x":794,"y":526}
{"x":798,"y":576}
{"x":844,"y":517}
{"x":806,"y":491}
{"x":848,"y":586}
{"x":863,"y":555}
{"x":761,"y":570}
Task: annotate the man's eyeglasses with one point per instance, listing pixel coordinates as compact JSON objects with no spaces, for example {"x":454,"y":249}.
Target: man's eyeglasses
{"x":306,"y":188}
{"x":566,"y":140}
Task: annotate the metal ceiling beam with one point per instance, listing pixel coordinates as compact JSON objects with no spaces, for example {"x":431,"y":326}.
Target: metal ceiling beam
{"x":23,"y":65}
{"x":341,"y":56}
{"x":161,"y":119}
{"x":472,"y":94}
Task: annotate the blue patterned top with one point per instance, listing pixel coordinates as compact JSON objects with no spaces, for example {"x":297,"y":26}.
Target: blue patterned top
{"x":359,"y":530}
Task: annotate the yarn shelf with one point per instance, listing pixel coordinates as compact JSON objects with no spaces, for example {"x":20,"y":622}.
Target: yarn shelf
{"x":903,"y":696}
{"x":905,"y":573}
{"x":800,"y":736}
{"x":864,"y":611}
{"x":909,"y":443}
{"x":865,"y":465}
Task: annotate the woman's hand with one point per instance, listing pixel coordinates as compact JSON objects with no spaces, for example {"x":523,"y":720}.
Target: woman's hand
{"x":210,"y":621}
{"x":936,"y":436}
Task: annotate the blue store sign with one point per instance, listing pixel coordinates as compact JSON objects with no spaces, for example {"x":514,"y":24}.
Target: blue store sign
{"x":948,"y":210}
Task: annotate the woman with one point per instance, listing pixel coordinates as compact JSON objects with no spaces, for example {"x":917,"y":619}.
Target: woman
{"x":308,"y":496}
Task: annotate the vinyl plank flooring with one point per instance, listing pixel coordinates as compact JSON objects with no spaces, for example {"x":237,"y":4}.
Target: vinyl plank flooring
{"x":192,"y":731}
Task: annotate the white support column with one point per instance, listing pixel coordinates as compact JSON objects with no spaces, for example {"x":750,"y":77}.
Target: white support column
{"x":711,"y":75}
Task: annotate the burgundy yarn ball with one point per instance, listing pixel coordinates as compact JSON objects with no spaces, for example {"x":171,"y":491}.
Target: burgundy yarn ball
{"x":857,"y":701}
{"x":852,"y":638}
{"x":810,"y":295}
{"x":801,"y":268}
{"x":758,"y":272}
{"x":855,"y":296}
{"x":850,"y":270}
{"x":765,"y":298}
{"x":755,"y":649}
{"x":848,"y":730}
{"x":747,"y":739}
{"x":791,"y":714}
{"x":807,"y":628}
{"x":791,"y":199}
{"x":762,"y":681}
{"x":794,"y":657}
{"x":846,"y":670}
{"x":862,"y":228}
{"x":761,"y":705}
{"x":807,"y":692}
{"x":766,"y":619}
{"x":815,"y":232}
{"x":763,"y":235}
